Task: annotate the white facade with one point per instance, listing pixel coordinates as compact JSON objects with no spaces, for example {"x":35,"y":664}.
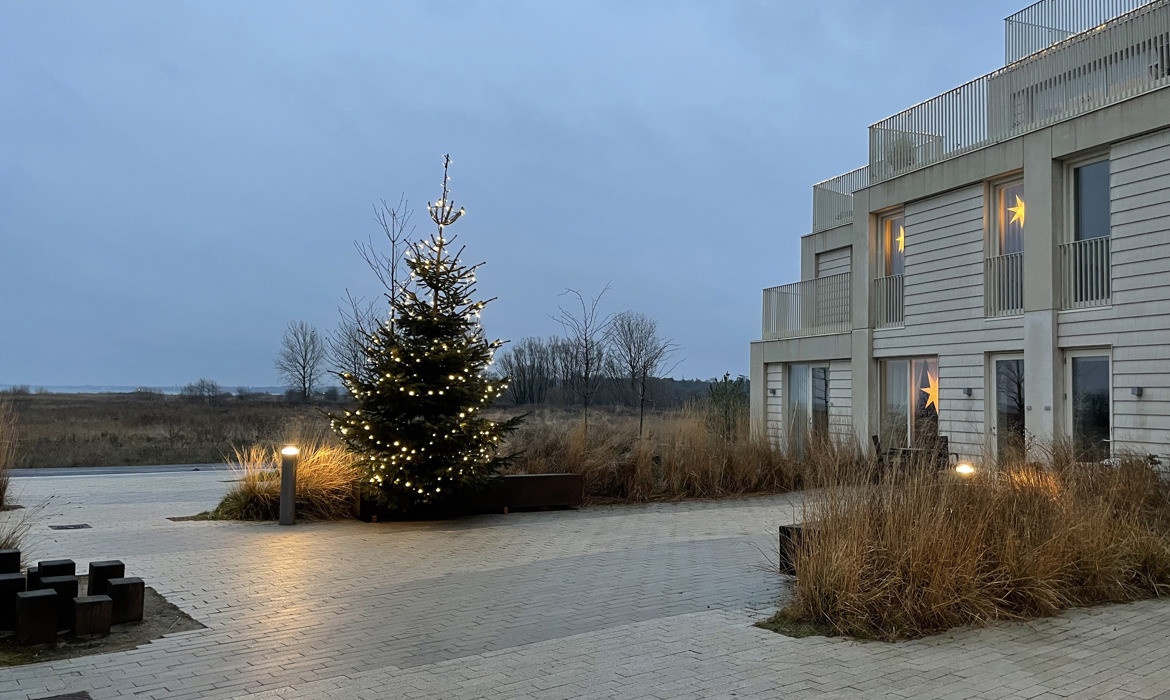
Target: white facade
{"x":1000,"y":272}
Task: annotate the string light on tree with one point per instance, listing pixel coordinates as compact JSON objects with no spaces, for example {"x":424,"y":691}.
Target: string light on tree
{"x":416,"y":427}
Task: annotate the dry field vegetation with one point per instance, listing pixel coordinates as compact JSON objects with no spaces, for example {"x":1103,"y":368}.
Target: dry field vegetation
{"x":94,"y":430}
{"x":917,"y":555}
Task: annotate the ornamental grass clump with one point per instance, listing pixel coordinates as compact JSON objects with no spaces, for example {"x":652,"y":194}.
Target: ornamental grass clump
{"x":8,"y":438}
{"x":908,"y":557}
{"x":326,"y":479}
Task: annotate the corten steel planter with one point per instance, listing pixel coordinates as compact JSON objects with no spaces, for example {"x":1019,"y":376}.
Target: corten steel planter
{"x":792,"y":539}
{"x":504,"y":493}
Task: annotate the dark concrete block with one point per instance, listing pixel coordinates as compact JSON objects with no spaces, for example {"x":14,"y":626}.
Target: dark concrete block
{"x":33,"y":576}
{"x":92,"y":615}
{"x":66,"y":589}
{"x":58,"y":567}
{"x":36,"y":617}
{"x":9,"y":561}
{"x":793,"y":538}
{"x":10,"y":585}
{"x":128,"y":595}
{"x":101,"y":572}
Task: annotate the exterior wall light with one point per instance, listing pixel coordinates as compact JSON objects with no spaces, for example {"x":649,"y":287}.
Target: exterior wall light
{"x":1136,"y":391}
{"x":967,"y":391}
{"x":289,"y":456}
{"x":964,"y":469}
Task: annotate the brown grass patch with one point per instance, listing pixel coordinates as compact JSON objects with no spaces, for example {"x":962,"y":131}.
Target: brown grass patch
{"x":919,"y":555}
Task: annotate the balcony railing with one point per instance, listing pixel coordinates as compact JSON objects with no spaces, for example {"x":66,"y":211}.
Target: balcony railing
{"x":1124,"y":57}
{"x":887,"y":302}
{"x":1003,"y":285}
{"x":1048,"y":22}
{"x":833,"y":199}
{"x":1086,"y":273}
{"x":818,"y":306}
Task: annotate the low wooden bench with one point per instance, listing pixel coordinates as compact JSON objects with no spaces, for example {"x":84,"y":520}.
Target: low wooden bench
{"x":517,"y":491}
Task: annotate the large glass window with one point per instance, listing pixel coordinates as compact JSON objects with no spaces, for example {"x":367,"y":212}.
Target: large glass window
{"x":1090,"y":403}
{"x":1009,"y":408}
{"x":893,"y":244}
{"x":1009,"y":217}
{"x":797,"y":397}
{"x":820,"y":403}
{"x":1091,"y":201}
{"x":909,"y":402}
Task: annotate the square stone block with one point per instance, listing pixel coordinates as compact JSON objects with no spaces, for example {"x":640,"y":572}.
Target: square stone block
{"x":36,"y":617}
{"x":58,"y":567}
{"x":66,"y":589}
{"x":92,"y":615}
{"x":9,"y":561}
{"x":10,"y":585}
{"x":100,"y":572}
{"x":129,"y":595}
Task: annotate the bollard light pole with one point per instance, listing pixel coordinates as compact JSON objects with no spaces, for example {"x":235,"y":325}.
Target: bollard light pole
{"x":288,"y":484}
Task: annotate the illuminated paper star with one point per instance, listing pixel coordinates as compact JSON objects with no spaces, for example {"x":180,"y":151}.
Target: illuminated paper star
{"x":931,"y":392}
{"x":1017,"y":211}
{"x":901,"y":238}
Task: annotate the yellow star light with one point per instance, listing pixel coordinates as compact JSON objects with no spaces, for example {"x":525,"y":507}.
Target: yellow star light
{"x":901,"y":238}
{"x":1017,"y":211}
{"x":931,"y":392}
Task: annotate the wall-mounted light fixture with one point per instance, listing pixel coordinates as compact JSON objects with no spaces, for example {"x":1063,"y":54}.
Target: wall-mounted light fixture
{"x":771,"y":392}
{"x":967,"y":391}
{"x":1136,"y":391}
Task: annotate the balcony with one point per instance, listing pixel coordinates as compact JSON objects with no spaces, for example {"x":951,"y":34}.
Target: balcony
{"x":886,"y":302}
{"x":1003,"y":285}
{"x":833,"y":199}
{"x":1101,"y":64}
{"x":820,"y":306}
{"x":1086,"y":273}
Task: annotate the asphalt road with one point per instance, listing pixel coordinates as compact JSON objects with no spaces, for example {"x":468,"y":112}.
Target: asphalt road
{"x":142,"y":469}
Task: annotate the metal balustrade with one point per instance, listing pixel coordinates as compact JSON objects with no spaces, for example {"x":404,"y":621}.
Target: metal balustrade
{"x":1086,"y":273}
{"x":1118,"y":59}
{"x":886,"y":302}
{"x":1048,"y":22}
{"x":818,"y":306}
{"x":1003,"y":285}
{"x":833,"y":199}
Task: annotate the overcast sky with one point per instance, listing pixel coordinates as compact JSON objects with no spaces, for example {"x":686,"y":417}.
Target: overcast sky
{"x":179,"y":180}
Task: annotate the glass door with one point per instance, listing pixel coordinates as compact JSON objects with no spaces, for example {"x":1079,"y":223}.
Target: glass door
{"x":1008,"y":402}
{"x":1090,"y":409}
{"x":797,"y":397}
{"x":820,"y":403}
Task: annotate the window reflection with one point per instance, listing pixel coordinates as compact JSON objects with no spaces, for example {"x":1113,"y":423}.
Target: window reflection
{"x":1009,"y":409}
{"x":1090,"y":407}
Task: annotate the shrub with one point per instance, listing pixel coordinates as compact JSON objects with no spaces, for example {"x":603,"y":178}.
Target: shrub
{"x":8,"y":439}
{"x":683,"y":454}
{"x":326,"y":476}
{"x":915,"y":556}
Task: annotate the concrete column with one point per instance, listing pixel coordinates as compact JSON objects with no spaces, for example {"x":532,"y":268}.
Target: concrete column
{"x":865,"y":393}
{"x":866,"y":411}
{"x":1043,"y":228}
{"x":759,"y":390}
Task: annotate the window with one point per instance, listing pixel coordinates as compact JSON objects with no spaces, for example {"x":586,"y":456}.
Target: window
{"x":892,"y":244}
{"x":909,"y":402}
{"x":1091,"y":201}
{"x":1089,"y":381}
{"x":808,"y":404}
{"x":1008,"y":403}
{"x":1008,"y":218}
{"x":820,"y":403}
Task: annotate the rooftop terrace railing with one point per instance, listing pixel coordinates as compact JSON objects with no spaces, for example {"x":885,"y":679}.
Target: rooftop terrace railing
{"x":1042,"y":24}
{"x":833,"y":199}
{"x":1122,"y":58}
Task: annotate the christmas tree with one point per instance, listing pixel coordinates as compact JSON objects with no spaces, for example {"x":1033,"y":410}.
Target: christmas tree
{"x":418,"y":423}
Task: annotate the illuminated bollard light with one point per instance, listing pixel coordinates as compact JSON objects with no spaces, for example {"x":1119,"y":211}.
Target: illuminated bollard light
{"x":288,"y":484}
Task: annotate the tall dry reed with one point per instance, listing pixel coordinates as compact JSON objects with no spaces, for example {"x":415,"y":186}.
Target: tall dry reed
{"x":326,"y":476}
{"x":913,"y":556}
{"x":8,"y":443}
{"x":683,"y":454}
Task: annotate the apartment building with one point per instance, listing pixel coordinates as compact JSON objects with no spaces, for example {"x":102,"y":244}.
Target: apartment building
{"x":999,"y":272}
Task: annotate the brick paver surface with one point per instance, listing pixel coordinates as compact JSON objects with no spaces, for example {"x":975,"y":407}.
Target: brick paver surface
{"x":612,"y":602}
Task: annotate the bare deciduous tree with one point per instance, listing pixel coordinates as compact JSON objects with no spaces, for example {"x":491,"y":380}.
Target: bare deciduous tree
{"x":388,"y":266}
{"x":205,"y":390}
{"x":638,"y":354}
{"x":585,"y":331}
{"x":301,"y":356}
{"x":530,"y":365}
{"x":346,"y":345}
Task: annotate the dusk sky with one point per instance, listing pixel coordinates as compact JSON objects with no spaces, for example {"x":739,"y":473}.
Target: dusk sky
{"x":179,"y":180}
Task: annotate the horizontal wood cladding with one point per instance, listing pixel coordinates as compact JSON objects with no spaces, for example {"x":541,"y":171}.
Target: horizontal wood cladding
{"x":834,"y":262}
{"x":1137,"y":324}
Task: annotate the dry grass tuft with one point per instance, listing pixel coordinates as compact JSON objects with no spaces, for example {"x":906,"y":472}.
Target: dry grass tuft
{"x":326,"y":476}
{"x":903,"y":559}
{"x":684,"y":454}
{"x":8,"y":440}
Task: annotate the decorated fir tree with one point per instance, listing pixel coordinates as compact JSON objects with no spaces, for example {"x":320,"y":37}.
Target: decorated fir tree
{"x":418,"y":423}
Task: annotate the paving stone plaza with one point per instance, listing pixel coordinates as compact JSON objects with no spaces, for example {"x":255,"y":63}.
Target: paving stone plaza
{"x":608,"y":602}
